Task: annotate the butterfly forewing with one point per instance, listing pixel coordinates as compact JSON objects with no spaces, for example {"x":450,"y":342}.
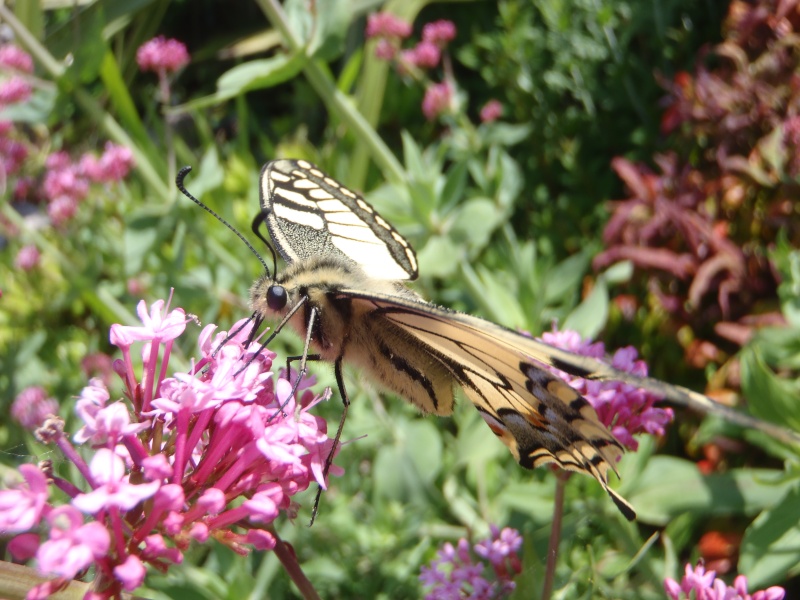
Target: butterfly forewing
{"x":310,"y":214}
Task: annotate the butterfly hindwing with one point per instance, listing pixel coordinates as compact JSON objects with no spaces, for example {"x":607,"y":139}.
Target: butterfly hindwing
{"x":537,"y":415}
{"x":310,"y":214}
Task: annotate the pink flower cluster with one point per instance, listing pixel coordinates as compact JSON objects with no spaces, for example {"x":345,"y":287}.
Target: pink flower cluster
{"x":67,"y":184}
{"x":427,"y":54}
{"x":32,"y":405}
{"x":162,"y":55}
{"x":459,"y":572}
{"x":624,"y":409}
{"x":706,"y":586}
{"x":217,"y":452}
{"x":15,"y":65}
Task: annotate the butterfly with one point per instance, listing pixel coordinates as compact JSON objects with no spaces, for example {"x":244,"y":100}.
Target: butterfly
{"x":344,"y":290}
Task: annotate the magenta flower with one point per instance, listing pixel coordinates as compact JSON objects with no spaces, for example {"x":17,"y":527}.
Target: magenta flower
{"x":439,"y":32}
{"x":12,"y":155}
{"x":202,"y":455}
{"x":27,"y":259}
{"x":162,"y":55}
{"x":22,"y":508}
{"x":425,"y":55}
{"x":437,"y":101}
{"x":62,"y":209}
{"x":386,"y":25}
{"x":14,"y":90}
{"x":14,"y":57}
{"x":114,"y":165}
{"x":455,"y":572}
{"x":67,"y":181}
{"x":624,"y":409}
{"x":32,"y":405}
{"x":706,"y":586}
{"x":491,"y":111}
{"x":72,"y":546}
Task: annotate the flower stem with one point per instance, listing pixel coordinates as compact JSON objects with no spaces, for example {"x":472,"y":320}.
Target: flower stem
{"x":555,"y":536}
{"x":288,"y":558}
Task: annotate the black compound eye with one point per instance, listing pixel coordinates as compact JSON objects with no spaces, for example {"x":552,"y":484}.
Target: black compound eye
{"x":277,"y":297}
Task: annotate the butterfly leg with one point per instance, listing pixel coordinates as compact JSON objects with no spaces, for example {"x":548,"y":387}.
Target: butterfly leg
{"x":337,"y":368}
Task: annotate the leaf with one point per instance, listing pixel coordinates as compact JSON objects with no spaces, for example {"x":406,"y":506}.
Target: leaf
{"x":771,"y":545}
{"x":671,"y":486}
{"x":474,"y":223}
{"x":590,"y":316}
{"x":768,"y":396}
{"x":403,"y":470}
{"x":565,"y":278}
{"x":439,"y":257}
{"x":259,"y":74}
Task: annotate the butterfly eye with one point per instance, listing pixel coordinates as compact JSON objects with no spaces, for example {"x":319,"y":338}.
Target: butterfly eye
{"x":277,"y":297}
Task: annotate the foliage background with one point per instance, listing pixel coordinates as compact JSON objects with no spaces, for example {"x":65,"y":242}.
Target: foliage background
{"x":506,"y":218}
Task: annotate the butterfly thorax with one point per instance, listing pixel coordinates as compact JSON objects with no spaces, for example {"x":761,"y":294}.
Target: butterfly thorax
{"x":317,"y":282}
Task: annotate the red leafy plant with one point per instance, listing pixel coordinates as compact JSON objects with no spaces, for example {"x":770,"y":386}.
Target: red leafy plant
{"x":699,"y":228}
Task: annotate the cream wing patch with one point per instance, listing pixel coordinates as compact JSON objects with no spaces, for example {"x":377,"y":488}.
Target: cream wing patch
{"x":310,"y":214}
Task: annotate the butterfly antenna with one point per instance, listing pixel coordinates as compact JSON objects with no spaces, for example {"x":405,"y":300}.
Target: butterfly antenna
{"x":179,"y":183}
{"x":256,"y":226}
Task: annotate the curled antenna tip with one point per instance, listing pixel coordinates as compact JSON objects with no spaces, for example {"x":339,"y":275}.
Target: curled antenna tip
{"x":182,"y":175}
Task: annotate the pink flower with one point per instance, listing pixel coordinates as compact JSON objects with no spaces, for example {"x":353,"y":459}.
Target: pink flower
{"x":706,"y":586}
{"x":385,"y":24}
{"x":220,"y":461}
{"x":385,"y":49}
{"x":14,"y":57}
{"x":158,"y":327}
{"x":131,"y":573}
{"x":72,"y":546}
{"x":58,"y":161}
{"x":22,"y":508}
{"x":68,"y":181}
{"x":439,"y":32}
{"x":32,"y":406}
{"x":624,"y":409}
{"x":114,"y":165}
{"x":161,"y":54}
{"x":12,"y":155}
{"x":425,"y":55}
{"x":26,"y":260}
{"x":14,"y":90}
{"x":491,"y":111}
{"x":437,"y":100}
{"x":62,"y":209}
{"x":113,"y":488}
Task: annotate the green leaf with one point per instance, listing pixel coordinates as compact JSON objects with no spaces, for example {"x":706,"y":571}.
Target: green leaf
{"x":439,"y":257}
{"x":474,"y":223}
{"x":671,"y":486}
{"x":590,"y":316}
{"x":332,"y":21}
{"x":259,"y":74}
{"x":768,"y":396}
{"x":403,"y":470}
{"x":771,"y":545}
{"x":565,"y":278}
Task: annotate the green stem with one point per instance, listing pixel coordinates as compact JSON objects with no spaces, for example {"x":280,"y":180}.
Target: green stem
{"x":555,"y":536}
{"x":336,"y":101}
